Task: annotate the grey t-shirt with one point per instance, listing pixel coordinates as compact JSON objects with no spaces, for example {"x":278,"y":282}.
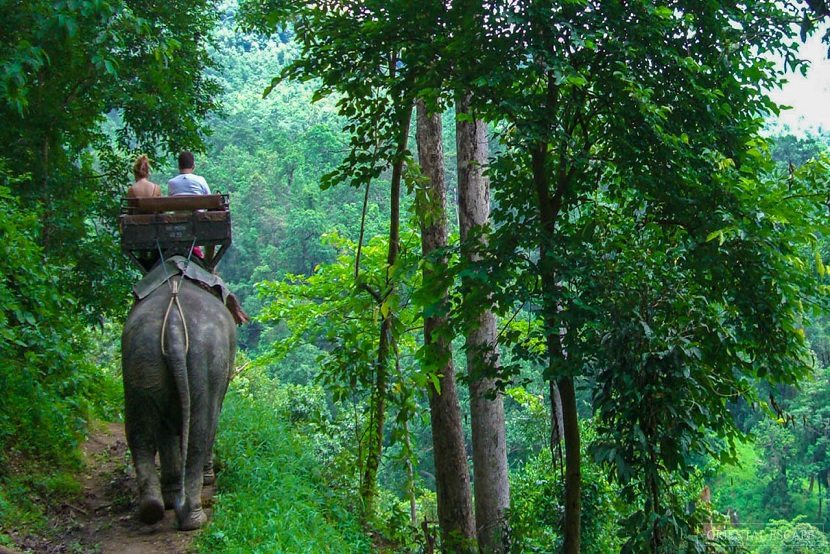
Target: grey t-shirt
{"x":187,"y":183}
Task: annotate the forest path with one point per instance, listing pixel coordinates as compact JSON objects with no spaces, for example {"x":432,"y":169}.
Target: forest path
{"x":103,"y":518}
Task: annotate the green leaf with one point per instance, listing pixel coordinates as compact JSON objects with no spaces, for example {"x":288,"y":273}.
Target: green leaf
{"x":436,"y":382}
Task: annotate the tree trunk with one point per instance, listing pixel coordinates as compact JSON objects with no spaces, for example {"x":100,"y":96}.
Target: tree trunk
{"x":490,"y":475}
{"x":573,"y":471}
{"x":374,"y":449}
{"x":557,"y":426}
{"x":654,"y":492}
{"x":549,"y":206}
{"x":452,"y":481}
{"x":557,"y":423}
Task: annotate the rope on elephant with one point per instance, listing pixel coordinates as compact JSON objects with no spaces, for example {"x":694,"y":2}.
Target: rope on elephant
{"x":174,"y":297}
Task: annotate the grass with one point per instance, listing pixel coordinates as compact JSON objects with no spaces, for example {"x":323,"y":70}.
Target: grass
{"x":25,"y":498}
{"x":271,"y":497}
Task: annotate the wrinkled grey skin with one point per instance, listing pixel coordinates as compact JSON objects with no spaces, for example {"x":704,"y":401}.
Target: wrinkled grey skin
{"x":156,"y":387}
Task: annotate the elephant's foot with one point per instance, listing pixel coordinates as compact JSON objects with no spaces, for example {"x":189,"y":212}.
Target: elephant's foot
{"x":194,"y":520}
{"x":150,"y":510}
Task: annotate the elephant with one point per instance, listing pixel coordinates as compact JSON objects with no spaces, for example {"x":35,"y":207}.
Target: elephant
{"x":175,"y":379}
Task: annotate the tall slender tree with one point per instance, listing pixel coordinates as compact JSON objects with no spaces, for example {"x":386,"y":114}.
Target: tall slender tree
{"x":452,"y":481}
{"x":604,"y":103}
{"x":386,"y":340}
{"x":492,"y":487}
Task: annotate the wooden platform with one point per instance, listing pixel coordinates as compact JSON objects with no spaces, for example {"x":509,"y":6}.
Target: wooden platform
{"x":173,"y":225}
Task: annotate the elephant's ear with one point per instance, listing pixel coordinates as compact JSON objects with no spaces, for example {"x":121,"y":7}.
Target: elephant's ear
{"x":239,"y":315}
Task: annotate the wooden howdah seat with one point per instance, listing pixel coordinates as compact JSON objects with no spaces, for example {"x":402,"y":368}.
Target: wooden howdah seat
{"x":172,"y":225}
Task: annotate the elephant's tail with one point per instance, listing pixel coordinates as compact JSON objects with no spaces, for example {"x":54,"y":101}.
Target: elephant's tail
{"x":174,"y":347}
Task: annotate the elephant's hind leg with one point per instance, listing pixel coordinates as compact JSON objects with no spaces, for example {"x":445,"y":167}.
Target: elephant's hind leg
{"x":171,"y":468}
{"x":192,"y":516}
{"x":208,"y":473}
{"x":141,"y":423}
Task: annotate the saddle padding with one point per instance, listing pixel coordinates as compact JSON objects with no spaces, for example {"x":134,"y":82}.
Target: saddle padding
{"x":179,"y":265}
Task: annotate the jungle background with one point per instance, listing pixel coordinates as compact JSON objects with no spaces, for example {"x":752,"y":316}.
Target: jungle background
{"x":85,"y":85}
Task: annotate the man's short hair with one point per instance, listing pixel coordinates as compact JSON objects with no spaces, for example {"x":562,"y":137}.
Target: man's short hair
{"x":186,"y":160}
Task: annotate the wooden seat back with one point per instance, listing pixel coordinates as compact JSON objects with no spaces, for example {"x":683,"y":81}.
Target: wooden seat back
{"x":159,"y":204}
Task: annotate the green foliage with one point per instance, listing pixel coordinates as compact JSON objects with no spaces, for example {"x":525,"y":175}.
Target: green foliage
{"x":771,"y":478}
{"x":341,"y":318}
{"x":45,"y":381}
{"x":528,"y":421}
{"x":393,"y":521}
{"x":810,"y":420}
{"x":624,"y":207}
{"x":25,"y":495}
{"x":70,"y":61}
{"x":782,"y":471}
{"x":348,"y":54}
{"x":779,"y":537}
{"x":641,"y":224}
{"x":50,"y":386}
{"x":536,"y":510}
{"x":271,"y":154}
{"x":273,"y":493}
{"x":83,"y":84}
{"x":792,"y":537}
{"x":669,"y":340}
{"x":329,"y":309}
{"x":736,"y":486}
{"x":777,"y":445}
{"x":794,"y":151}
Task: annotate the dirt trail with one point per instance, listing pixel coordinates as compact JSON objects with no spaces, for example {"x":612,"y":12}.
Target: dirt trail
{"x":103,"y":519}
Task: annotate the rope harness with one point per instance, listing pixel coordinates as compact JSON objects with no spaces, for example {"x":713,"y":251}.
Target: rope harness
{"x":174,"y":299}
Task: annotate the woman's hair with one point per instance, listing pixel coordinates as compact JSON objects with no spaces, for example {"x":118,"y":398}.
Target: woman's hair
{"x":141,"y":167}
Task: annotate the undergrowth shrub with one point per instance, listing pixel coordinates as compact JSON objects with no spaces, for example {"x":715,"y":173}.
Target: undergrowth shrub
{"x":49,"y":386}
{"x":789,"y":537}
{"x":393,"y":521}
{"x":537,"y":508}
{"x":273,"y":493}
{"x":39,"y":344}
